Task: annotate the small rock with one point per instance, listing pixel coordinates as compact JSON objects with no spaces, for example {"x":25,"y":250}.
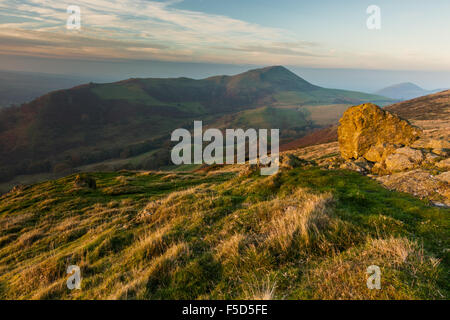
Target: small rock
{"x":292,"y":161}
{"x":438,"y":204}
{"x":360,"y":165}
{"x":364,"y":164}
{"x":84,"y":181}
{"x":398,"y":162}
{"x":442,"y":152}
{"x":444,"y":164}
{"x":379,"y":152}
{"x":431,"y":157}
{"x":444,"y":177}
{"x":403,"y":159}
{"x":413,"y":155}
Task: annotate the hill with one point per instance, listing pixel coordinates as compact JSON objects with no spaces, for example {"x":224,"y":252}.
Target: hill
{"x":20,"y":87}
{"x":431,"y":107}
{"x":404,"y":91}
{"x":92,"y":123}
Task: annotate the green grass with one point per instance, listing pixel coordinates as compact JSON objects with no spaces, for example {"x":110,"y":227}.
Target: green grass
{"x":269,"y":117}
{"x":124,"y":92}
{"x":135,"y":93}
{"x":301,"y":234}
{"x":323,"y":96}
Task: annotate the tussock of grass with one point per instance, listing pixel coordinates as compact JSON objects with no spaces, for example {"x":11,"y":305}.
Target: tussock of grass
{"x":261,"y":289}
{"x":300,"y":222}
{"x":406,"y":272}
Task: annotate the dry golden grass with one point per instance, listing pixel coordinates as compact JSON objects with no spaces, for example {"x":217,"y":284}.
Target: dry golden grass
{"x":344,"y":275}
{"x":260,"y":289}
{"x":305,"y":218}
{"x":27,"y":239}
{"x":168,"y":260}
{"x":246,"y":237}
{"x":229,"y":249}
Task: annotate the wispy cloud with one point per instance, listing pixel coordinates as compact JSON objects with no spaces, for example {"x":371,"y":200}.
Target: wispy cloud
{"x":137,"y":29}
{"x":160,"y":30}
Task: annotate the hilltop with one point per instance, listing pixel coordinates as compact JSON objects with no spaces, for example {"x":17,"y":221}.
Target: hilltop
{"x":405,"y":91}
{"x":431,"y":107}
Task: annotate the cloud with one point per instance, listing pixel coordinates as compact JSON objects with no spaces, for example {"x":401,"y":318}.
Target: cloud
{"x":137,"y":29}
{"x":274,"y":49}
{"x":159,"y":30}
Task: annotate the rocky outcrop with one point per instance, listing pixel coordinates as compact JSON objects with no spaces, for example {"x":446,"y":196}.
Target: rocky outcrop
{"x":374,"y":141}
{"x":366,"y":131}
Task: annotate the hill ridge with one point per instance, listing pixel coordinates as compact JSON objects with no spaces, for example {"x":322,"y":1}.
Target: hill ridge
{"x":94,"y":122}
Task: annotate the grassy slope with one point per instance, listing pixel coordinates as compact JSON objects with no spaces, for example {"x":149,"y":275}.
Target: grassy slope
{"x":266,"y":117}
{"x":327,"y":96}
{"x":304,"y":233}
{"x":133,"y":93}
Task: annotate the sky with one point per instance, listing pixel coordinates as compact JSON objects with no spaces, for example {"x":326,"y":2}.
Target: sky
{"x":203,"y":37}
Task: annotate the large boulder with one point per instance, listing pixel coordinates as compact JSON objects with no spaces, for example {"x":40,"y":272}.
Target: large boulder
{"x":371,"y":132}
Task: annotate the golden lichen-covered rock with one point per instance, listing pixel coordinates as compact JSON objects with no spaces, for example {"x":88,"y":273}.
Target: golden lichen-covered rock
{"x":444,"y":152}
{"x":444,"y":177}
{"x":367,"y":125}
{"x":444,"y":164}
{"x":415,"y":155}
{"x":398,"y":162}
{"x":403,"y":159}
{"x":379,"y":152}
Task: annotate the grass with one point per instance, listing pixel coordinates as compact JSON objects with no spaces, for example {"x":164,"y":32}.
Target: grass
{"x":323,"y":96}
{"x":300,"y":234}
{"x":124,"y":92}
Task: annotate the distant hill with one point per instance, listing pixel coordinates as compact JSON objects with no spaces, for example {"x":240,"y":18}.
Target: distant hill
{"x":431,"y":107}
{"x":95,"y":122}
{"x":405,"y":91}
{"x":20,"y":87}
